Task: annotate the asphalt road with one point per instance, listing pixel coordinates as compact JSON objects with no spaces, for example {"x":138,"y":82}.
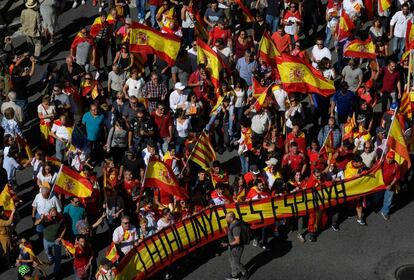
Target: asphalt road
{"x":355,"y":252}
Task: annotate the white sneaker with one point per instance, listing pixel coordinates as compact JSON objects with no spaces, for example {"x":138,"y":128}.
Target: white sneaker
{"x":102,"y":4}
{"x":100,"y":9}
{"x":75,"y":4}
{"x":255,"y":243}
{"x":83,"y":2}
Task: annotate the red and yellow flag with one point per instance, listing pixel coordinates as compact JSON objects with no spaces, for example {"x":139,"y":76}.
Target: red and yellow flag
{"x":349,"y":127}
{"x":217,"y":106}
{"x":69,"y":182}
{"x":396,"y":142}
{"x":268,"y":50}
{"x":146,"y":40}
{"x":213,"y":62}
{"x":328,"y":147}
{"x":95,"y":92}
{"x":6,"y":200}
{"x":112,"y":254}
{"x":200,"y":27}
{"x":299,"y":76}
{"x":96,"y":27}
{"x":384,"y":5}
{"x":260,"y":93}
{"x":68,"y":246}
{"x":405,"y":106}
{"x":25,"y":146}
{"x":360,"y":49}
{"x":247,"y":15}
{"x":345,"y":26}
{"x":409,"y":35}
{"x":203,"y":154}
{"x":158,"y":174}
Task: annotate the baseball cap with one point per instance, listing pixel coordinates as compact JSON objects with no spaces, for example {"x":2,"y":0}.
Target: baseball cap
{"x":271,"y":161}
{"x":179,"y":86}
{"x":390,"y":154}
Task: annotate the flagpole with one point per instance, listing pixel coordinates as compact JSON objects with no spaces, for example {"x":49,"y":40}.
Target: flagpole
{"x":192,"y":152}
{"x":57,"y":177}
{"x":143,"y":183}
{"x":388,"y":134}
{"x":410,"y":61}
{"x":326,"y":139}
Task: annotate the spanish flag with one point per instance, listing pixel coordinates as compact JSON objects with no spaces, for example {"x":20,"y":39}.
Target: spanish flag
{"x":396,"y":142}
{"x":384,"y":5}
{"x":328,"y":147}
{"x":71,"y":183}
{"x":6,"y":200}
{"x":260,"y":93}
{"x":158,"y":174}
{"x":68,"y":246}
{"x":409,"y":35}
{"x":247,"y":15}
{"x":299,"y":76}
{"x":203,"y":154}
{"x":360,"y":49}
{"x":80,"y":38}
{"x":213,"y":62}
{"x":112,"y":254}
{"x":268,"y":50}
{"x":24,"y":146}
{"x":96,"y":26}
{"x":200,"y":28}
{"x":405,"y":106}
{"x":345,"y":27}
{"x":146,"y":40}
{"x":349,"y":127}
{"x":217,"y":106}
{"x":28,"y":249}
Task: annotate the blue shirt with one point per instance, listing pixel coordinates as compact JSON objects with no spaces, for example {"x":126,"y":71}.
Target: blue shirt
{"x":74,"y":214}
{"x":246,"y":69}
{"x":93,"y":125}
{"x":344,"y":102}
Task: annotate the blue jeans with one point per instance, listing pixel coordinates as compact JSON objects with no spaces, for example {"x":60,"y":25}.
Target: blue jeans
{"x":273,"y":22}
{"x":53,"y":252}
{"x":213,"y":118}
{"x":386,"y":206}
{"x":328,"y":37}
{"x":244,"y":164}
{"x":398,"y":46}
{"x":153,"y":13}
{"x":39,"y":228}
{"x":140,"y":9}
{"x":22,"y":104}
{"x":60,"y":150}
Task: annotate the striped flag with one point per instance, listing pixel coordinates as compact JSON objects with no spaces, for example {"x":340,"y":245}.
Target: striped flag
{"x":396,"y":142}
{"x":349,"y":127}
{"x":247,"y":15}
{"x":213,"y":62}
{"x":268,"y":50}
{"x":405,"y":107}
{"x":53,"y":161}
{"x":217,"y":106}
{"x":200,"y":27}
{"x":409,"y":35}
{"x":112,"y":254}
{"x":360,"y":49}
{"x":384,"y":5}
{"x":6,"y":200}
{"x":345,"y":26}
{"x":68,"y":246}
{"x":71,"y":183}
{"x":203,"y":154}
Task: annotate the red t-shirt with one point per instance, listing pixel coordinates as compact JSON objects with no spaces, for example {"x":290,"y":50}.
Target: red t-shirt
{"x":282,"y":42}
{"x":390,"y":171}
{"x":217,"y":33}
{"x":300,"y":140}
{"x":389,"y":81}
{"x":82,"y":256}
{"x":200,"y":91}
{"x":157,"y":3}
{"x":162,"y":123}
{"x":294,"y":161}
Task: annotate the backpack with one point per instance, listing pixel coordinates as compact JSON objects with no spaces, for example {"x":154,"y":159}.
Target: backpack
{"x":244,"y":233}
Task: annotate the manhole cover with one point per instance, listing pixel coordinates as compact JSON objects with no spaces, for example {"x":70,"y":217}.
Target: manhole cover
{"x":405,"y":272}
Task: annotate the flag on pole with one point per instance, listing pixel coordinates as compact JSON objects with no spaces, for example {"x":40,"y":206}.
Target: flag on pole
{"x":112,"y":253}
{"x":213,"y":62}
{"x":349,"y":127}
{"x":384,"y":5}
{"x":158,"y":174}
{"x":200,"y":26}
{"x":247,"y":15}
{"x":396,"y":142}
{"x":146,"y":40}
{"x":299,"y":76}
{"x":217,"y":106}
{"x":71,"y":183}
{"x":360,"y":49}
{"x":268,"y":50}
{"x":203,"y":154}
{"x":405,"y":106}
{"x":328,"y":147}
{"x":409,"y":35}
{"x":68,"y":246}
{"x":345,"y":26}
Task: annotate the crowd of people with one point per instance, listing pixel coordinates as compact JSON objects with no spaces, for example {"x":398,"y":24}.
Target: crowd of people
{"x":133,"y":107}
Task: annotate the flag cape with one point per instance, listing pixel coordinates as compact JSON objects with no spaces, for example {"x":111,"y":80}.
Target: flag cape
{"x":71,"y":183}
{"x":211,"y":59}
{"x":409,"y":35}
{"x":299,"y":76}
{"x":268,"y":50}
{"x":111,"y":253}
{"x":146,"y":40}
{"x":68,"y":246}
{"x":396,"y":141}
{"x":6,"y":200}
{"x":203,"y":154}
{"x":384,"y":5}
{"x":96,"y":26}
{"x":248,"y":17}
{"x":159,"y":175}
{"x":161,"y":249}
{"x":405,"y":106}
{"x":360,"y":49}
{"x":345,"y":26}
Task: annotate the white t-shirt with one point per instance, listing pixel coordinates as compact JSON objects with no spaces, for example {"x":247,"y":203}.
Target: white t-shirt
{"x":183,"y":128}
{"x":260,"y":122}
{"x":399,"y":21}
{"x":318,"y":54}
{"x":280,"y":96}
{"x":61,"y":131}
{"x":42,"y":110}
{"x":10,"y":165}
{"x":43,"y":205}
{"x":135,"y":87}
{"x":48,"y":178}
{"x":240,"y":98}
{"x":161,"y":224}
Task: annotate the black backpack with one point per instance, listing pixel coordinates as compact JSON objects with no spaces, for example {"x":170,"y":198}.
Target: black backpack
{"x":244,"y":233}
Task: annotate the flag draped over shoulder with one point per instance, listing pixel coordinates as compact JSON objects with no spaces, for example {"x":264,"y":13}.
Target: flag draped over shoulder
{"x":146,"y":40}
{"x":203,"y":154}
{"x":299,"y":76}
{"x":158,"y":174}
{"x":211,"y":59}
{"x":70,"y":182}
{"x":396,"y":142}
{"x":268,"y":50}
{"x":345,"y":26}
{"x":409,"y":35}
{"x":384,"y":5}
{"x":247,"y":15}
{"x":360,"y":49}
{"x":96,"y":26}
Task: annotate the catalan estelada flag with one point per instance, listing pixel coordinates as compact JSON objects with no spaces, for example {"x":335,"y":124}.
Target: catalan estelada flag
{"x":112,"y":254}
{"x":71,"y":183}
{"x":146,"y":40}
{"x":268,"y":50}
{"x":68,"y":246}
{"x":299,"y":76}
{"x":158,"y":174}
{"x":360,"y":49}
{"x":409,"y":35}
{"x":405,"y":106}
{"x":345,"y":26}
{"x":384,"y":5}
{"x":203,"y":154}
{"x":213,"y":62}
{"x":396,"y":142}
{"x":247,"y":15}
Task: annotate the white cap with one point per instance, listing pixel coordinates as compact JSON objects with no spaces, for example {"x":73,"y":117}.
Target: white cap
{"x":179,"y":86}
